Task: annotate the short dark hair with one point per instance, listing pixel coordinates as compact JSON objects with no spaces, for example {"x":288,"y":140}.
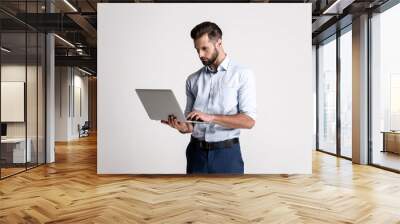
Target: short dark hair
{"x":210,"y":28}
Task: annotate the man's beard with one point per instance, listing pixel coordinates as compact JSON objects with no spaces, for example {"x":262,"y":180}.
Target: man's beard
{"x":210,"y":61}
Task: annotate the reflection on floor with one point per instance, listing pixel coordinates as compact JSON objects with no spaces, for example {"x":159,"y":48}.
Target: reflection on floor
{"x":11,"y":169}
{"x":386,"y":159}
{"x":346,"y":152}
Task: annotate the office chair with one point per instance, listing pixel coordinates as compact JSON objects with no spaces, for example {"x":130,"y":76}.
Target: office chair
{"x":84,"y":130}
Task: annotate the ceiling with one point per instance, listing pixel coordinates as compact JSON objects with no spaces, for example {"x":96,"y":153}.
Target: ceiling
{"x":76,"y":22}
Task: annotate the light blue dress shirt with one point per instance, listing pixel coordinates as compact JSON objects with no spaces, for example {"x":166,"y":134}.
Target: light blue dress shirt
{"x":228,"y":91}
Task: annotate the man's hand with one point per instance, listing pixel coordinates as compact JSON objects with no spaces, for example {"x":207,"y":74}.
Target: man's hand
{"x":180,"y":126}
{"x":200,"y":116}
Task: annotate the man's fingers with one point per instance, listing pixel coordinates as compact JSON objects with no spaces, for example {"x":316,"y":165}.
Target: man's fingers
{"x":165,"y":122}
{"x":191,"y":115}
{"x":175,"y":123}
{"x":172,"y":122}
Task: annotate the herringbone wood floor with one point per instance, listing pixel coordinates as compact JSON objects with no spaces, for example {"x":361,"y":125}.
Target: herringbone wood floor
{"x":69,"y":191}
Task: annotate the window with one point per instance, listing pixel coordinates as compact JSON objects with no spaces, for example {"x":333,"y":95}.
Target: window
{"x":346,"y":93}
{"x":385,"y":88}
{"x":327,"y":96}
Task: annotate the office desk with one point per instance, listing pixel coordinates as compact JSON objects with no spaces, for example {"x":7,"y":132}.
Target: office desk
{"x":13,"y":150}
{"x":391,"y":141}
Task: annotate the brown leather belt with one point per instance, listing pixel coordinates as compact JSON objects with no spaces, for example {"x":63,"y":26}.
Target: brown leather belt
{"x":214,"y":145}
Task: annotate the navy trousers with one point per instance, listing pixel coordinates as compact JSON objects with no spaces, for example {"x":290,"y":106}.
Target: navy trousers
{"x":218,"y":161}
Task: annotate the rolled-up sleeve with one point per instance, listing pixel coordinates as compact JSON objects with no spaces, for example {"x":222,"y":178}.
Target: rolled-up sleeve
{"x":247,"y":94}
{"x":189,"y":98}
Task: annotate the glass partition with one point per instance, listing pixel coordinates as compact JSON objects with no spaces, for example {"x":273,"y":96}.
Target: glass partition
{"x":13,"y":109}
{"x":22,"y":77}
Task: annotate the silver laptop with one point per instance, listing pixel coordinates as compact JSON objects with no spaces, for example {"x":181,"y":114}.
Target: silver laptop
{"x":161,"y":103}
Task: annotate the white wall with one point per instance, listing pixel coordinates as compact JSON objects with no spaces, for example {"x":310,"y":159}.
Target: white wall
{"x":61,"y":103}
{"x":68,"y":81}
{"x":314,"y":87}
{"x":149,"y":46}
{"x":79,"y":117}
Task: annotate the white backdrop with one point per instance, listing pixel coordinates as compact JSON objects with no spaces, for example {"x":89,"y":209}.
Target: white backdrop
{"x":149,"y":46}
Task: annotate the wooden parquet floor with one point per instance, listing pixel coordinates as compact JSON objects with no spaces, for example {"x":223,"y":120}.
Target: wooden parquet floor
{"x":70,"y":191}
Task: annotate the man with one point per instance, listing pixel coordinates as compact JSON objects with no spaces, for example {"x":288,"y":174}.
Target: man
{"x":222,"y":93}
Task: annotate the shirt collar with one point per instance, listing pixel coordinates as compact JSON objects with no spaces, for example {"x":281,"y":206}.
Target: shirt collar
{"x":223,"y":66}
